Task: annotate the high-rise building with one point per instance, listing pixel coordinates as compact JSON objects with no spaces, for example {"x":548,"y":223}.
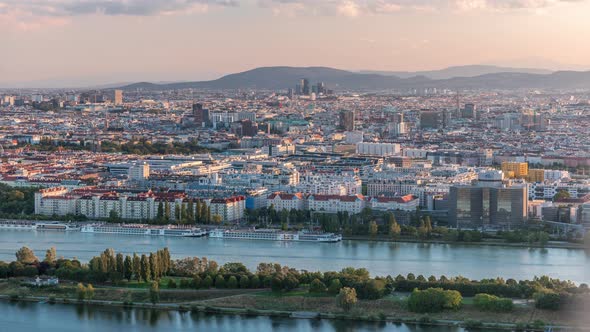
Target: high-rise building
{"x":306,"y":87}
{"x":298,"y":89}
{"x":469,"y":111}
{"x":249,"y":128}
{"x":139,"y":171}
{"x":201,"y":115}
{"x":488,"y":202}
{"x":118,"y":99}
{"x":431,"y":119}
{"x":321,"y":88}
{"x":347,"y":120}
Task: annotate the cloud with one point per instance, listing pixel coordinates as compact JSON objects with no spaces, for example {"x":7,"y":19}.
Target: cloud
{"x":355,"y":8}
{"x":28,"y":14}
{"x":507,"y":4}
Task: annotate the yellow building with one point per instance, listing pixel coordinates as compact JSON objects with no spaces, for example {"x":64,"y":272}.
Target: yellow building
{"x":515,"y":170}
{"x":536,"y":175}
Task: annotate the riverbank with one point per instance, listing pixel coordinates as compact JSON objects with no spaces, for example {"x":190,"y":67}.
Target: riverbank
{"x":406,"y":239}
{"x":485,"y":242}
{"x":233,"y":305}
{"x":298,"y":304}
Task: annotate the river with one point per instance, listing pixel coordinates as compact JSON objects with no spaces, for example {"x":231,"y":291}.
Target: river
{"x":25,"y":317}
{"x":380,"y":258}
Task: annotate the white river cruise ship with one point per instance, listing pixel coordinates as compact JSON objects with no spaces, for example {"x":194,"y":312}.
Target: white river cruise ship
{"x":140,"y":229}
{"x":274,"y":235}
{"x":34,"y":225}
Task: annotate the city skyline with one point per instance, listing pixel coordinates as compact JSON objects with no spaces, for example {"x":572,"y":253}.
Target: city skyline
{"x":103,"y":42}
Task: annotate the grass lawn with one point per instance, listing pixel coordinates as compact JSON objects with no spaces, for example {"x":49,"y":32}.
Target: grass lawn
{"x":297,"y":292}
{"x":136,"y":293}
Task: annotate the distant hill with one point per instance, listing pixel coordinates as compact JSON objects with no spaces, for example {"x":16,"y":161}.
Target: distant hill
{"x":283,"y":78}
{"x":459,"y":71}
{"x":274,"y":78}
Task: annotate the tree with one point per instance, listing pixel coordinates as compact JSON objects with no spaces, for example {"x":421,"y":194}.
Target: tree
{"x":547,"y":300}
{"x":113,"y":216}
{"x":198,"y":211}
{"x":177,"y":214}
{"x":50,"y":256}
{"x":373,"y":228}
{"x":127,"y":268}
{"x":217,"y":219}
{"x":197,"y":282}
{"x":207,"y":282}
{"x":190,"y":212}
{"x":487,"y":302}
{"x":219,"y":281}
{"x":26,"y":256}
{"x":543,"y":238}
{"x":160,"y":214}
{"x":120,"y":262}
{"x":394,"y":230}
{"x":154,"y":266}
{"x":335,"y":287}
{"x":154,"y":292}
{"x":136,"y":267}
{"x":166,"y":262}
{"x":89,"y":292}
{"x":316,"y":286}
{"x":232,"y":282}
{"x":204,"y":213}
{"x":244,"y":282}
{"x":422,"y":230}
{"x":167,"y":212}
{"x":428,"y":224}
{"x":146,"y":273}
{"x":255,"y":282}
{"x":434,"y":300}
{"x":81,"y":291}
{"x":562,"y":194}
{"x":346,"y":299}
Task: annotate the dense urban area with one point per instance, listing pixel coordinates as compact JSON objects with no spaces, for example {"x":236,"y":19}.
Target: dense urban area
{"x":465,"y":159}
{"x":311,"y":163}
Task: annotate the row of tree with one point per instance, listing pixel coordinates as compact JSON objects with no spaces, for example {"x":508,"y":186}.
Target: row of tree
{"x":193,"y":212}
{"x":116,"y":267}
{"x":144,"y":147}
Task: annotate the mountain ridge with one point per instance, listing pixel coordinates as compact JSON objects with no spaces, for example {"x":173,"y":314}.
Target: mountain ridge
{"x":283,"y":77}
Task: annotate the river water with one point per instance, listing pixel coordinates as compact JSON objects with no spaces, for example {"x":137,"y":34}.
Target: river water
{"x":25,"y":317}
{"x":380,"y":258}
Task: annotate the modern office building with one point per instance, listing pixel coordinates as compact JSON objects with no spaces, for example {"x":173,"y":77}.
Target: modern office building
{"x":306,"y":88}
{"x":118,"y":98}
{"x":469,"y":111}
{"x":347,"y":120}
{"x":490,"y":201}
{"x":431,"y":119}
{"x":201,"y":115}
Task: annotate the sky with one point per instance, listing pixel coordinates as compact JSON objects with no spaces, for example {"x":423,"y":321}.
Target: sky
{"x":83,"y":42}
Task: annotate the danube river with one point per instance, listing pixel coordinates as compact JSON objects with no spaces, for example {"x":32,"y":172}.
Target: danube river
{"x":380,"y":258}
{"x":76,"y":318}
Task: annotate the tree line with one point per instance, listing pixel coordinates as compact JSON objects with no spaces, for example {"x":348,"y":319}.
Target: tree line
{"x":198,"y":273}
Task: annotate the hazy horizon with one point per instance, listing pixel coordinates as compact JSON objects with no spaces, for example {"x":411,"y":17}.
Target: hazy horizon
{"x":95,"y":42}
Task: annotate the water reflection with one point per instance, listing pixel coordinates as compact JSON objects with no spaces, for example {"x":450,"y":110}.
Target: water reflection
{"x":84,"y":318}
